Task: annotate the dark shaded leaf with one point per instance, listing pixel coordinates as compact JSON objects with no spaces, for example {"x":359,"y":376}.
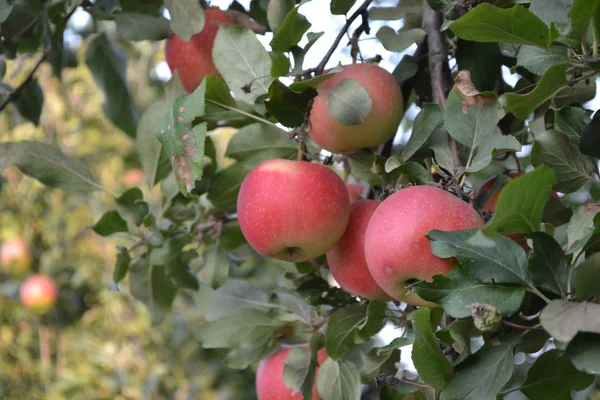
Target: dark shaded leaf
{"x":584,"y":352}
{"x":30,"y":101}
{"x":548,"y":264}
{"x":110,"y":222}
{"x":289,"y":34}
{"x":135,"y":26}
{"x":588,"y":276}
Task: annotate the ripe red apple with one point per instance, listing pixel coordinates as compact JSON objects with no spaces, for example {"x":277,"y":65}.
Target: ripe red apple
{"x":490,"y":204}
{"x":292,"y":210}
{"x":396,"y":248}
{"x":355,"y":190}
{"x":15,"y":257}
{"x":39,"y":293}
{"x":380,"y":124}
{"x":347,"y":259}
{"x":133,"y":177}
{"x":269,"y":377}
{"x":193,"y":60}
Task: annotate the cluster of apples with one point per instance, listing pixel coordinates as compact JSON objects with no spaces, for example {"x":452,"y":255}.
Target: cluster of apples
{"x":39,"y":292}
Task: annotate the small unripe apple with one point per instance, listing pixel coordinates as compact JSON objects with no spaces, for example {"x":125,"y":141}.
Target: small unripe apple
{"x":347,"y":259}
{"x":396,"y":248}
{"x":39,"y":293}
{"x":292,"y":210}
{"x":380,"y":124}
{"x":355,"y":190}
{"x":15,"y":257}
{"x":269,"y":377}
{"x":492,"y":201}
{"x":193,"y":60}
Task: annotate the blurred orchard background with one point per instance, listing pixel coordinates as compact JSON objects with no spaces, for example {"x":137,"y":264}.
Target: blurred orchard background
{"x":98,"y":343}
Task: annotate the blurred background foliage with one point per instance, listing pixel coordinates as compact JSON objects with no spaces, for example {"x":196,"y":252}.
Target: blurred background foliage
{"x":97,"y":344}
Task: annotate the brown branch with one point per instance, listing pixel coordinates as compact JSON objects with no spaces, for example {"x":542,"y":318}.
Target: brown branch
{"x":240,"y":18}
{"x":522,"y":327}
{"x":438,"y":66}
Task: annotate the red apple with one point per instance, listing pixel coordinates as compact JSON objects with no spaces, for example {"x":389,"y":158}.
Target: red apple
{"x":380,"y":124}
{"x":193,"y":60}
{"x":490,"y":204}
{"x":396,"y":248}
{"x":355,"y":190}
{"x":347,"y":259}
{"x":15,"y":257}
{"x":39,"y":293}
{"x":134,"y":177}
{"x":269,"y":377}
{"x":292,"y":210}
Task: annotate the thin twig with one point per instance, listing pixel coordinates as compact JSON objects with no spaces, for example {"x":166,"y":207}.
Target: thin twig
{"x":391,"y":380}
{"x":438,"y":66}
{"x":522,"y":327}
{"x":318,"y":70}
{"x":244,"y":19}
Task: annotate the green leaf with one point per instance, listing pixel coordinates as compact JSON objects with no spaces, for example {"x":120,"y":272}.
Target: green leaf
{"x":289,"y":34}
{"x":235,"y":296}
{"x":287,"y":106}
{"x":109,"y":6}
{"x":581,"y":226}
{"x":30,"y":101}
{"x":584,"y":352}
{"x":48,"y":165}
{"x":150,"y":285}
{"x":108,"y":64}
{"x":349,"y":326}
{"x":456,"y":292}
{"x":589,"y":143}
{"x":182,"y":276}
{"x":521,"y":203}
{"x":297,"y":367}
{"x":491,"y":147}
{"x":243,"y":61}
{"x":516,"y":25}
{"x":471,"y":119}
{"x":238,"y":330}
{"x":588,"y":276}
{"x":226,"y":184}
{"x":349,"y":102}
{"x":481,"y":376}
{"x":183,"y":144}
{"x":553,"y":376}
{"x":5,"y":10}
{"x":564,"y":319}
{"x":401,"y":40}
{"x":410,"y":172}
{"x":110,"y":222}
{"x":367,"y":167}
{"x":341,"y":7}
{"x":300,"y":53}
{"x":522,"y":105}
{"x":554,"y":149}
{"x":471,"y":55}
{"x":429,"y":119}
{"x":414,"y":7}
{"x":256,"y":138}
{"x":571,"y":121}
{"x":218,"y":92}
{"x":552,"y":12}
{"x":441,"y":149}
{"x":216,"y":267}
{"x":280,"y":64}
{"x":506,"y":262}
{"x":187,"y":17}
{"x":316,"y":81}
{"x":431,"y":364}
{"x":580,"y":16}
{"x":532,"y":342}
{"x":277,"y":11}
{"x":458,"y":334}
{"x":539,"y":60}
{"x":548,"y":264}
{"x":22,"y":15}
{"x":131,"y":206}
{"x":382,"y":359}
{"x":338,"y":380}
{"x":147,"y":145}
{"x":167,"y":252}
{"x":134,"y":26}
{"x":122,"y":264}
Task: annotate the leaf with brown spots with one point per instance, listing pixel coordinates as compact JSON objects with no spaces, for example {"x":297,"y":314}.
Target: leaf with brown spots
{"x":183,"y":143}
